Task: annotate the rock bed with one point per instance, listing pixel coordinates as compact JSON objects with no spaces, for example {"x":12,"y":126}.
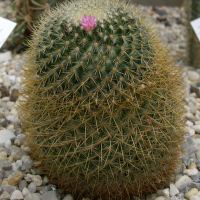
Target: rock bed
{"x":20,"y":177}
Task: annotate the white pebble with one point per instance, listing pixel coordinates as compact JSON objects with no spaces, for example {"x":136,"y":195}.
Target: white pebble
{"x":198,"y":194}
{"x":183,"y":181}
{"x":45,"y":180}
{"x":189,"y":116}
{"x":196,"y":128}
{"x":173,"y":190}
{"x":5,"y":135}
{"x":68,"y":197}
{"x":17,"y":195}
{"x":193,"y":76}
{"x":12,"y":72}
{"x":189,"y":123}
{"x":26,"y":158}
{"x":19,"y":163}
{"x":7,"y":144}
{"x":25,"y":191}
{"x":197,"y":122}
{"x":197,"y":117}
{"x":164,"y":192}
{"x":191,"y":131}
{"x":28,"y":197}
{"x":174,"y":198}
{"x":14,"y":166}
{"x":195,"y":197}
{"x":198,"y":140}
{"x":10,"y":127}
{"x":4,"y":57}
{"x":5,"y":99}
{"x":190,"y":172}
{"x":160,"y":198}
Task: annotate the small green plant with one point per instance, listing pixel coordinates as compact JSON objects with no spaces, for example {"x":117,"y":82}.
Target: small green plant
{"x":192,"y":8}
{"x":102,"y":101}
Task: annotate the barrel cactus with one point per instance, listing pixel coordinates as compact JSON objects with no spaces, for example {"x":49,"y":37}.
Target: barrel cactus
{"x":102,"y":101}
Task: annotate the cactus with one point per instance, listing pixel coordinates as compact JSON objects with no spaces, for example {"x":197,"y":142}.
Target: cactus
{"x":27,"y":13}
{"x":102,"y":101}
{"x":192,"y":8}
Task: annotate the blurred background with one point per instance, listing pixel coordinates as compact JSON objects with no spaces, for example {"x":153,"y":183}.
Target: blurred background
{"x":159,"y":2}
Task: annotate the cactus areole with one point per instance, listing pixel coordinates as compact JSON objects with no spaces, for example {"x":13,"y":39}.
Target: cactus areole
{"x":101,"y":101}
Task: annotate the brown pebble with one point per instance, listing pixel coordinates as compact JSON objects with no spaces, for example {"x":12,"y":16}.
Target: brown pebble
{"x":15,"y":179}
{"x":12,"y":66}
{"x":14,"y":95}
{"x":192,"y":166}
{"x":37,"y":163}
{"x":4,"y":91}
{"x":17,"y":142}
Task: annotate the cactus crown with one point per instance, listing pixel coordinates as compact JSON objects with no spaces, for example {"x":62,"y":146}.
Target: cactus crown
{"x":102,"y":108}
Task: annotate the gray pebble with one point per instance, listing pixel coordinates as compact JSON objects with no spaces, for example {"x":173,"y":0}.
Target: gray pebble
{"x":36,"y":196}
{"x":9,"y":189}
{"x":195,"y":178}
{"x":193,"y":156}
{"x":193,"y":185}
{"x":17,"y":152}
{"x":21,"y":138}
{"x":191,"y":146}
{"x":6,"y":165}
{"x":180,"y":196}
{"x":198,"y":165}
{"x":183,"y":189}
{"x":45,"y":180}
{"x":32,"y":187}
{"x":40,"y":188}
{"x":50,"y":195}
{"x":28,"y":197}
{"x":2,"y":190}
{"x":7,"y":173}
{"x":2,"y":174}
{"x":48,"y":188}
{"x":22,"y":184}
{"x":27,"y":165}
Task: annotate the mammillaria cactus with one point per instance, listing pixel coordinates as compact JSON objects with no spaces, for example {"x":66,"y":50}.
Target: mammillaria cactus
{"x":102,"y":101}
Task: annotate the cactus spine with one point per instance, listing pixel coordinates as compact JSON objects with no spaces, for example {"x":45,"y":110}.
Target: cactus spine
{"x":102,"y":107}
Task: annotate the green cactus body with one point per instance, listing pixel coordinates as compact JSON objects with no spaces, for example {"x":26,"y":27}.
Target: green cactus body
{"x":192,"y":8}
{"x":102,"y":109}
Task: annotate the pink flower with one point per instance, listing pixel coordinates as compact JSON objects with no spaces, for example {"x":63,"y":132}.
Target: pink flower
{"x":88,"y":22}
